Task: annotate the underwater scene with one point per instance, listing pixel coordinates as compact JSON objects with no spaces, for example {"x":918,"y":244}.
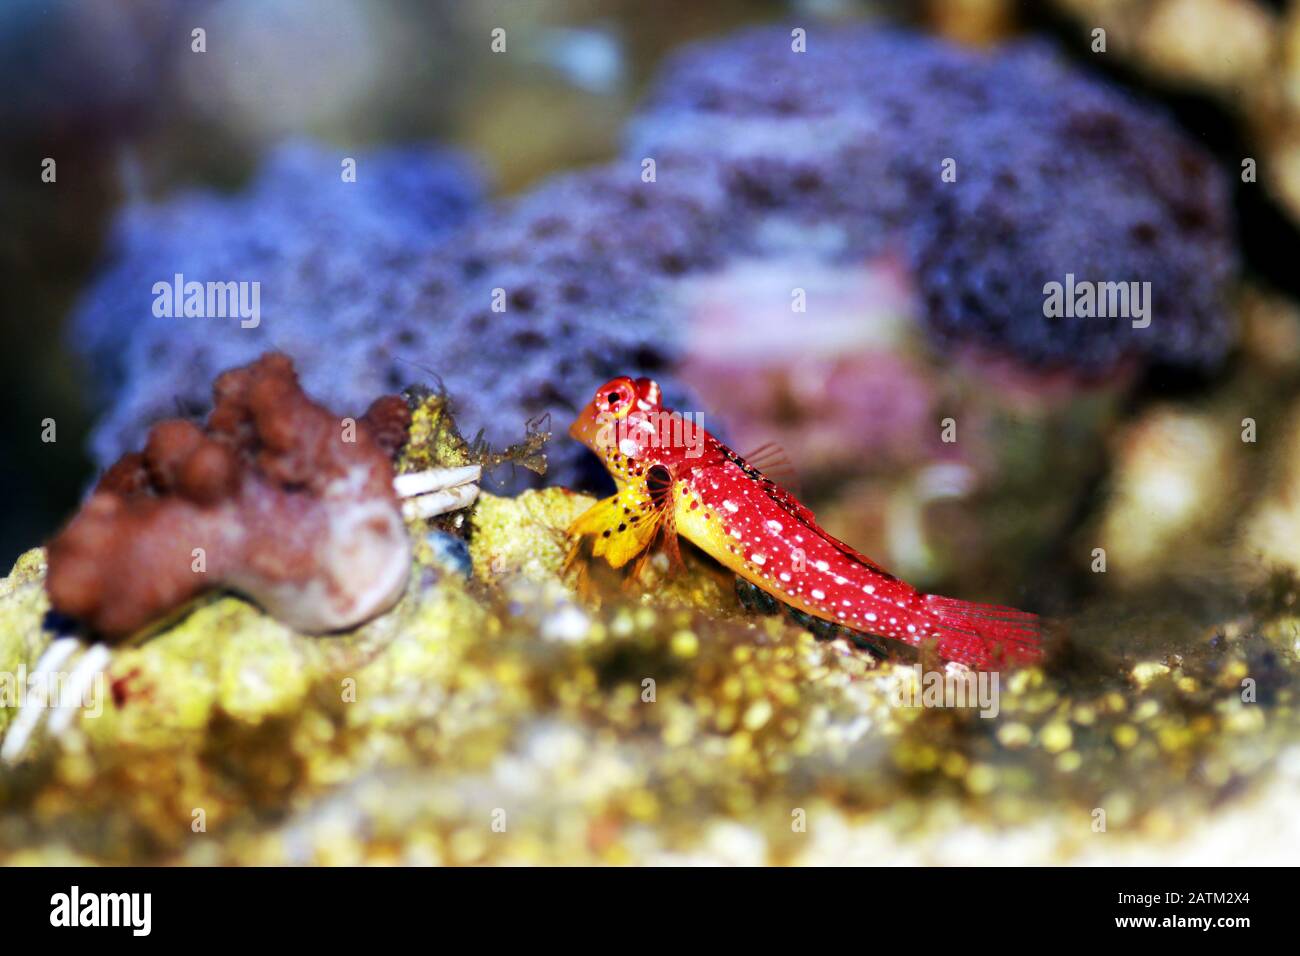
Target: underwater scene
{"x":597,"y":432}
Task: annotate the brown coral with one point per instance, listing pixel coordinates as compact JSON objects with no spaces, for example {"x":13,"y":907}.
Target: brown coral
{"x":275,"y":498}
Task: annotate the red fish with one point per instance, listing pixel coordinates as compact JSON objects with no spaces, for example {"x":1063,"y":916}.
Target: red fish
{"x":674,"y":478}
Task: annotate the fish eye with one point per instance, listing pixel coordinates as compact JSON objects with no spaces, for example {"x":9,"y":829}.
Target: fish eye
{"x":615,"y":397}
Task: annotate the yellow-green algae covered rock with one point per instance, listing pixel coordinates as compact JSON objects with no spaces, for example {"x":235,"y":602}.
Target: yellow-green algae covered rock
{"x":22,"y":606}
{"x":524,"y":535}
{"x":520,"y":715}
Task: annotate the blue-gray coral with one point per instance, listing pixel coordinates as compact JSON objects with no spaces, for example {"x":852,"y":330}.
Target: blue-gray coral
{"x":1055,"y":173}
{"x":584,"y":266}
{"x":759,"y":151}
{"x":336,"y":262}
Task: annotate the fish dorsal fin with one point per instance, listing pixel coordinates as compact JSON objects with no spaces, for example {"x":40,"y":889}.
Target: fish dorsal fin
{"x":798,"y":510}
{"x":793,"y":505}
{"x":772,"y":460}
{"x":855,"y":554}
{"x":782,"y":496}
{"x":804,"y":515}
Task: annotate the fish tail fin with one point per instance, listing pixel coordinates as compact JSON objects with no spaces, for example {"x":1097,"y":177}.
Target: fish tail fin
{"x":985,"y":636}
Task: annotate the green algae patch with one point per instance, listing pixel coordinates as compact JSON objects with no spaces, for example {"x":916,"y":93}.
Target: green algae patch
{"x":22,"y":608}
{"x":525,"y":534}
{"x":435,"y":442}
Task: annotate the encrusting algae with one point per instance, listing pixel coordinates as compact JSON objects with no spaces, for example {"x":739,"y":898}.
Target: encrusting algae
{"x":506,"y":712}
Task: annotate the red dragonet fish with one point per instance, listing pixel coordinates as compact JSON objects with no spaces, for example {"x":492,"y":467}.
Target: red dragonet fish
{"x":674,"y":478}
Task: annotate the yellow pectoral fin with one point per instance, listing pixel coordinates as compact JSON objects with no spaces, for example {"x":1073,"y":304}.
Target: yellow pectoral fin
{"x":618,"y":538}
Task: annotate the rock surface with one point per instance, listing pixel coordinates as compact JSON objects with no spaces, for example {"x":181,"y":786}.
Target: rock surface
{"x":507,"y":718}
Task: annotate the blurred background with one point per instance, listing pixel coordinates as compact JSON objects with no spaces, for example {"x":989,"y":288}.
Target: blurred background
{"x":115,"y":93}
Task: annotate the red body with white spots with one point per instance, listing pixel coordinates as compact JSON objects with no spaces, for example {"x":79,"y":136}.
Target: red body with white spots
{"x":674,"y":477}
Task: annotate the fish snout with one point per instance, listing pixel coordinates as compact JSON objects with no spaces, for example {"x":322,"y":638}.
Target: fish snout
{"x":588,"y":427}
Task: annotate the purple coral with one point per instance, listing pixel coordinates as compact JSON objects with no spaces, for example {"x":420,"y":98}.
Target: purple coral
{"x":336,"y":262}
{"x":831,"y":156}
{"x":585,"y":266}
{"x":1056,"y":173}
